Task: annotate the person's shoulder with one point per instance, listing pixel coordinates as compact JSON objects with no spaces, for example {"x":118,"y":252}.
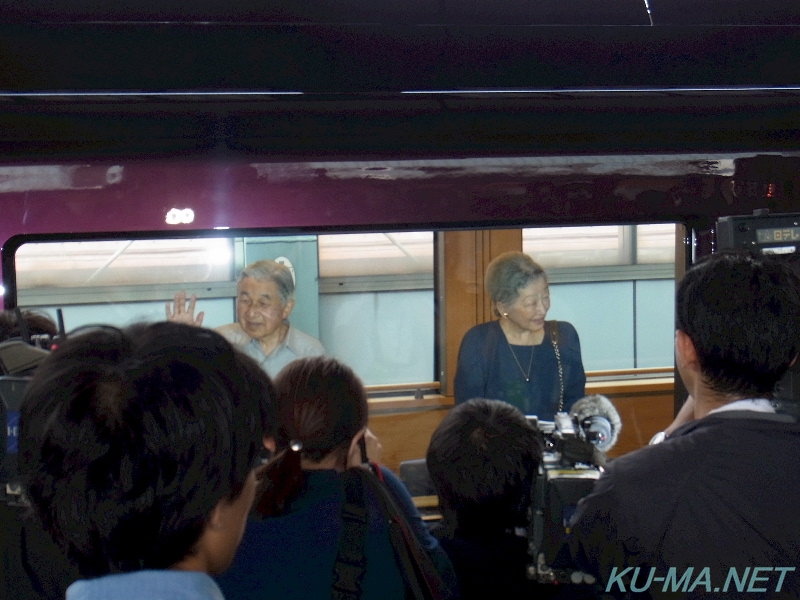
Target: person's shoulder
{"x":392,"y":480}
{"x":633,"y":485}
{"x":386,"y":472}
{"x":566,"y":329}
{"x":567,"y":326}
{"x":396,"y":489}
{"x":234,"y":333}
{"x":761,"y":432}
{"x":482,"y":331}
{"x":654,"y":463}
{"x":686,"y":444}
{"x":303,"y":344}
{"x":148,"y":583}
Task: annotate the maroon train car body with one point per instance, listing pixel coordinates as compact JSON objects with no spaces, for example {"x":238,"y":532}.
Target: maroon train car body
{"x":363,"y":117}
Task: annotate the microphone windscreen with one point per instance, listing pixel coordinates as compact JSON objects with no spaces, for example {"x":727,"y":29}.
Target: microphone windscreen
{"x":597,"y":405}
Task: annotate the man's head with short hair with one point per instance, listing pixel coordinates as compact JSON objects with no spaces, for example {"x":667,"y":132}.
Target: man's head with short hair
{"x":277,"y":273}
{"x":135,"y":443}
{"x":264,"y":301}
{"x":482,"y":459}
{"x":742,"y":315}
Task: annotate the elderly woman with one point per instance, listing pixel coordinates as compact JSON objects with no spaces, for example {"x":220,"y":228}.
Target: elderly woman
{"x":521,"y":358}
{"x":264,"y":301}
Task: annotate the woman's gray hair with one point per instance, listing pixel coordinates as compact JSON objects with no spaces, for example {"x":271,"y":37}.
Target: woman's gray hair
{"x":508,"y":273}
{"x":269,"y":270}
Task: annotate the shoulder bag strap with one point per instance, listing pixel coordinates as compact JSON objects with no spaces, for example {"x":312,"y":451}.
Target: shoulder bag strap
{"x":351,"y":564}
{"x":553,"y":326}
{"x":423,"y":581}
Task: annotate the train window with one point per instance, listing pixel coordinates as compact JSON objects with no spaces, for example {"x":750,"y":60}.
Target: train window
{"x":366,"y":254}
{"x":655,"y":244}
{"x":555,"y":247}
{"x":603,"y":245}
{"x":350,"y":289}
{"x":376,"y":294}
{"x":122,"y":281}
{"x":123,"y":262}
{"x":616,"y":285}
{"x":369,"y":297}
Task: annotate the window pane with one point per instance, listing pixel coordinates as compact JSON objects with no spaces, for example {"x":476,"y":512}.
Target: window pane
{"x":123,"y":262}
{"x":655,"y":243}
{"x":359,"y":254}
{"x":559,"y":247}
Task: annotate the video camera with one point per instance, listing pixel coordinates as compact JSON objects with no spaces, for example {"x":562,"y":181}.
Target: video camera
{"x":574,"y":446}
{"x":18,"y":360}
{"x":19,"y":357}
{"x":12,"y":388}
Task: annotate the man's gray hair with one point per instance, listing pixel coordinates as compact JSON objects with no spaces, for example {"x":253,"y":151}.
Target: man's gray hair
{"x":269,"y":270}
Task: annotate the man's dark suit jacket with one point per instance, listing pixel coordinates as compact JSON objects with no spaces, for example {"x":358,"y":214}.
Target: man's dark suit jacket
{"x":723,"y":492}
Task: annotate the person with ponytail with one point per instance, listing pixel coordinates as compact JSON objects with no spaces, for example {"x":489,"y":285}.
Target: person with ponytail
{"x":291,"y":547}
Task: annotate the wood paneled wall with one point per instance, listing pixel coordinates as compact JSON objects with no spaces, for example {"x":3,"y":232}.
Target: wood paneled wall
{"x":405,"y":436}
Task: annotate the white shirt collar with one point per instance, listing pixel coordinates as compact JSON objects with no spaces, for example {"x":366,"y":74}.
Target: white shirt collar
{"x":756,"y":405}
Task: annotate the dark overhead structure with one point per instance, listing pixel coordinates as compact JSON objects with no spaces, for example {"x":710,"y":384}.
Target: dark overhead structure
{"x":397,"y":78}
